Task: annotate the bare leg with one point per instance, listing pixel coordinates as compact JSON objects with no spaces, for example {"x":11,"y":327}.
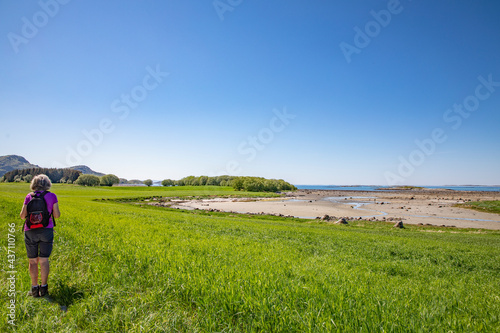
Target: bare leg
{"x":44,"y":269}
{"x":33,"y":267}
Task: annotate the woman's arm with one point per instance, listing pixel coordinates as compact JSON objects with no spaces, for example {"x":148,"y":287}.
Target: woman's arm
{"x":55,"y":211}
{"x":24,"y":212}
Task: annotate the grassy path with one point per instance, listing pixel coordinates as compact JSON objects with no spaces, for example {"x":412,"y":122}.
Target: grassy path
{"x":121,"y":267}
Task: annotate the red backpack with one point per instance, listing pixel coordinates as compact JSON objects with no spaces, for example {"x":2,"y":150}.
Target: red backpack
{"x":38,"y":212}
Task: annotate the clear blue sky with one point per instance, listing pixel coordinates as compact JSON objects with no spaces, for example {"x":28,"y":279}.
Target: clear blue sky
{"x":314,"y":92}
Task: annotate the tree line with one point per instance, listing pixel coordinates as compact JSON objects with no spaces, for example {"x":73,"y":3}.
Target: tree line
{"x":55,"y":175}
{"x":92,"y":180}
{"x":239,"y":183}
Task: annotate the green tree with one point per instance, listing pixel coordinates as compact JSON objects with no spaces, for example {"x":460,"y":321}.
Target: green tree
{"x":189,"y":180}
{"x":148,"y":182}
{"x":109,"y":180}
{"x":237,"y":183}
{"x":202,"y":180}
{"x":212,"y":181}
{"x":88,"y":180}
{"x":270,"y":185}
{"x":167,"y":182}
{"x":253,"y":184}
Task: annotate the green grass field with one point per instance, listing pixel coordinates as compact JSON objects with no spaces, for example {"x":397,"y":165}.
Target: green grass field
{"x":483,"y":206}
{"x":123,"y":267}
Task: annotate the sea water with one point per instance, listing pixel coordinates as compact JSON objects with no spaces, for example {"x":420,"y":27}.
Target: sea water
{"x":385,"y":188}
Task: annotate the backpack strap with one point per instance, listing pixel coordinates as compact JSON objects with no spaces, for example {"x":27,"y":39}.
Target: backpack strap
{"x":32,"y":195}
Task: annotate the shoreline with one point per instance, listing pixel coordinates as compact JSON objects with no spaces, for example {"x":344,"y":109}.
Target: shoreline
{"x":423,"y":206}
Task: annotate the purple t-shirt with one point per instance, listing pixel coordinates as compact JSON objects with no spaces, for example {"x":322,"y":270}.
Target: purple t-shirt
{"x":50,"y":199}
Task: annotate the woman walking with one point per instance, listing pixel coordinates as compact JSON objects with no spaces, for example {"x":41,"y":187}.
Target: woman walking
{"x":39,"y":232}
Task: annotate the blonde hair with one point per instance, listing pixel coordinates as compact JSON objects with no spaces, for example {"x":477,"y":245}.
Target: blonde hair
{"x":41,"y":183}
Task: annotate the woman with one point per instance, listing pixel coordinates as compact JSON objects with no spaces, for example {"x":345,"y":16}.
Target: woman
{"x":39,"y":241}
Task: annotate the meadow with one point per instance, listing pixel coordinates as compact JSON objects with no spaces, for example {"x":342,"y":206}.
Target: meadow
{"x":119,"y":266}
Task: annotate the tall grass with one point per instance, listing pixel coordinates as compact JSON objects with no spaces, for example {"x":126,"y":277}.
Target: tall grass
{"x":121,"y":267}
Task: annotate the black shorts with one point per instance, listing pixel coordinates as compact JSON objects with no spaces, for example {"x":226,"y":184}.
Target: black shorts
{"x":39,"y":242}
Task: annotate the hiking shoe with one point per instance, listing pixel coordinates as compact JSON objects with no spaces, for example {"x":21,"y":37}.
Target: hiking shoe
{"x":34,"y":292}
{"x":43,"y":290}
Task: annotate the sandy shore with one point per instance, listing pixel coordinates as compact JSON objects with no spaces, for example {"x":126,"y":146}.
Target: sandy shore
{"x":431,"y":207}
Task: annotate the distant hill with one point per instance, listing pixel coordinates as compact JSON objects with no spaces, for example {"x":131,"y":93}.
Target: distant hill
{"x":86,"y":170}
{"x":13,"y":162}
